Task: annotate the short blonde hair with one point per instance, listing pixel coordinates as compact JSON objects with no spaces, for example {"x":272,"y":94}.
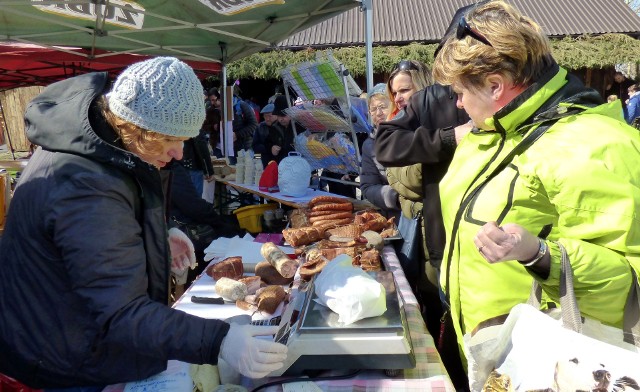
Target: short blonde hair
{"x":518,"y":48}
{"x":134,"y":138}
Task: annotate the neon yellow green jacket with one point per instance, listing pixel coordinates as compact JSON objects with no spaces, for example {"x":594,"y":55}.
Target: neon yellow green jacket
{"x":582,"y":177}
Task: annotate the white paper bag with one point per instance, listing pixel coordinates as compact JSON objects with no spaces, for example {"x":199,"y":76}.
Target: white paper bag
{"x":349,"y":291}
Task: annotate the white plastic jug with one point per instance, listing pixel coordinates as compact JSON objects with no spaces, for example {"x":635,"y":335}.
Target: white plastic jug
{"x":294,"y":175}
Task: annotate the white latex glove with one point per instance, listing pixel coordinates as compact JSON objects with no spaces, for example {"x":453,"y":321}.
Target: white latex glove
{"x":183,"y":255}
{"x":251,"y":356}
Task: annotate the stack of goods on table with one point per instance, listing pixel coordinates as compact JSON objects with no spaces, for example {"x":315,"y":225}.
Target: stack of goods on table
{"x":262,"y":292}
{"x":222,"y":169}
{"x":328,"y":227}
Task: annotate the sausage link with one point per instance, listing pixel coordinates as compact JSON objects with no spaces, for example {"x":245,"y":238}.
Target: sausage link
{"x":326,"y":224}
{"x":325,"y":199}
{"x":334,"y":206}
{"x":332,"y":216}
{"x":319,"y":213}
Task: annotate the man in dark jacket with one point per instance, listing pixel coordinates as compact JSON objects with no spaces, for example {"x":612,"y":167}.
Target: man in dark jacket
{"x":244,"y":123}
{"x":268,"y":138}
{"x":196,"y":159}
{"x":85,"y":256}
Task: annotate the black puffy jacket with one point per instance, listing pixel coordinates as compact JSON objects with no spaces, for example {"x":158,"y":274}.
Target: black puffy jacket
{"x":424,"y":134}
{"x":84,"y":259}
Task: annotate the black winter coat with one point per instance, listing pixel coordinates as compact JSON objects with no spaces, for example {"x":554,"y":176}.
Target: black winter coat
{"x":84,"y":259}
{"x":424,"y":134}
{"x":244,"y":125}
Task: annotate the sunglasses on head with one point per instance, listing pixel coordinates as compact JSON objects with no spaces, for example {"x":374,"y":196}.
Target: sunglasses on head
{"x":406,"y":65}
{"x":464,"y":30}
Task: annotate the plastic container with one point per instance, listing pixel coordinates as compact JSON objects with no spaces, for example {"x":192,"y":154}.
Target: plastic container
{"x":250,"y":217}
{"x":294,"y":175}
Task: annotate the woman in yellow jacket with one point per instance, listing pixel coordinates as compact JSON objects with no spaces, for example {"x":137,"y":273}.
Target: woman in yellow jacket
{"x":577,"y":185}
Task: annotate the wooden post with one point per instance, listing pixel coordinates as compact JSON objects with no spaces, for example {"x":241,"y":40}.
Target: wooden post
{"x":14,"y":103}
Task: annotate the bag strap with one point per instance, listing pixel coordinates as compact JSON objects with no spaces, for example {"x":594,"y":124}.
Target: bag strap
{"x":414,"y":214}
{"x":571,"y":318}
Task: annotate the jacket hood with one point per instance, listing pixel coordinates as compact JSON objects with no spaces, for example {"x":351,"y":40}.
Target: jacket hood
{"x":65,"y":118}
{"x":556,"y":94}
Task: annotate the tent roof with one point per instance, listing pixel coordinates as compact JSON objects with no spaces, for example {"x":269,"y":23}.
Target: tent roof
{"x":108,"y":32}
{"x":29,"y":65}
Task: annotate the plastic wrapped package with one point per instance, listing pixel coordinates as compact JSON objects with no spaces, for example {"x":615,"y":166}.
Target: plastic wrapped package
{"x":317,"y":154}
{"x":346,"y":150}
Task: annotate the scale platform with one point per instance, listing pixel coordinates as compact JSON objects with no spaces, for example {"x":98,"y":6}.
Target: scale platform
{"x":317,"y":341}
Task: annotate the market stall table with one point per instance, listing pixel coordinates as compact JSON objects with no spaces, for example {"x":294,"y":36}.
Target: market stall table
{"x":428,"y":375}
{"x":279,"y":197}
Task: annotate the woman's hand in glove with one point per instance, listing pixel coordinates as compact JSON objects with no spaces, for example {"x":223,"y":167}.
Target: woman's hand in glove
{"x":251,"y":356}
{"x":183,"y":255}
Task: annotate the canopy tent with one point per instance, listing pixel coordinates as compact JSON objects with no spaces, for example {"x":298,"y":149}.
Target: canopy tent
{"x":29,"y":65}
{"x":108,"y":31}
{"x":106,"y":35}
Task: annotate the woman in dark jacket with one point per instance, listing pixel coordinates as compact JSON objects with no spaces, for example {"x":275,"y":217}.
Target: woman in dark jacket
{"x":425,"y":134}
{"x":85,"y":255}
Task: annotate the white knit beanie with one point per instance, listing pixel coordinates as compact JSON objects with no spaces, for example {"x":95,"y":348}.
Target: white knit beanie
{"x":162,"y":95}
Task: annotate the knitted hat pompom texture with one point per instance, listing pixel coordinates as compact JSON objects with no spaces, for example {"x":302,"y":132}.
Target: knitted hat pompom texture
{"x":162,"y":95}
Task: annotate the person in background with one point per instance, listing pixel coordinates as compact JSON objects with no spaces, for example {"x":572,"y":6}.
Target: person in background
{"x":281,"y":141}
{"x":244,"y":123}
{"x":211,"y":128}
{"x":373,"y":179}
{"x":269,"y":137}
{"x":620,"y":87}
{"x":196,"y":159}
{"x":633,"y":104}
{"x":278,"y":90}
{"x":505,"y":226}
{"x":85,"y":255}
{"x":188,"y":208}
{"x":612,"y":98}
{"x":215,"y":98}
{"x":407,"y":78}
{"x":256,"y":108}
{"x":416,"y":147}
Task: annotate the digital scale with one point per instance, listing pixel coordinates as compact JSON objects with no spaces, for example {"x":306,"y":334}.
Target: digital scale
{"x":317,"y":341}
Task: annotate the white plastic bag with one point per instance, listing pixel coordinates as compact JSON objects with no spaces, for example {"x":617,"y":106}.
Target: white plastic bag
{"x":349,"y":291}
{"x":535,"y":352}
